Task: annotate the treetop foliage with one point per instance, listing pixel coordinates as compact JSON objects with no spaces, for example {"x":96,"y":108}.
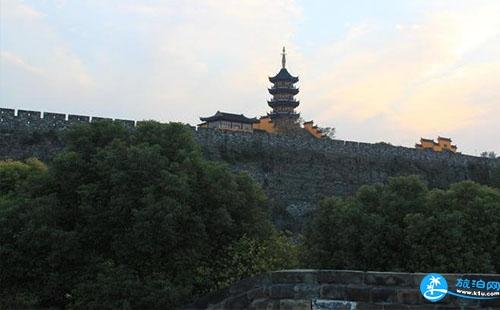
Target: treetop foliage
{"x":403,"y":226}
{"x":129,"y":218}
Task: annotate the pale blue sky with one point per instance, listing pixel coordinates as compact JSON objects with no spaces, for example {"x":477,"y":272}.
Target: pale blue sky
{"x":376,"y":70}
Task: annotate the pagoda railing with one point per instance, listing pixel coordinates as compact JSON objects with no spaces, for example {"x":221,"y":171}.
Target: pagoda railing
{"x":283,"y":100}
{"x":283,"y":87}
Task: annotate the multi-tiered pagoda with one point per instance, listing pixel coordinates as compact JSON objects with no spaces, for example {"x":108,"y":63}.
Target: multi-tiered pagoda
{"x":283,"y":102}
{"x":281,"y":119}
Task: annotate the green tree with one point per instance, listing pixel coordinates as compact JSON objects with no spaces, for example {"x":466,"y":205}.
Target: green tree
{"x":32,"y":248}
{"x":130,"y":218}
{"x":250,"y":256}
{"x":490,"y":154}
{"x":403,"y":226}
{"x":496,"y":175}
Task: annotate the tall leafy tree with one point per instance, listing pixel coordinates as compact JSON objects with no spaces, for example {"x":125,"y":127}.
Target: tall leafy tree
{"x":129,"y":218}
{"x":403,"y":226}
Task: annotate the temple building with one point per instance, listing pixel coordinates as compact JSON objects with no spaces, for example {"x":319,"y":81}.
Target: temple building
{"x":282,"y":118}
{"x":228,"y":121}
{"x":264,"y":123}
{"x":442,"y":145}
{"x":313,"y":129}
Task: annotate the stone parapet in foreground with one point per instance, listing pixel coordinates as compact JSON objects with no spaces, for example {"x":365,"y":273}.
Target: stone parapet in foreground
{"x":334,"y":289}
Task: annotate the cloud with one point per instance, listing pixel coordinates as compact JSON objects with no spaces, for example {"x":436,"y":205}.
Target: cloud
{"x":435,"y":73}
{"x":37,"y":66}
{"x":437,"y":76}
{"x":18,"y":9}
{"x":9,"y":58}
{"x":210,"y":55}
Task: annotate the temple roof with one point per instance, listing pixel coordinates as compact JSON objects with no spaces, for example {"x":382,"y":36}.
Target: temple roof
{"x":230,"y":117}
{"x":443,"y":138}
{"x":283,"y":75}
{"x":427,"y":140}
{"x":277,"y":103}
{"x":283,"y":90}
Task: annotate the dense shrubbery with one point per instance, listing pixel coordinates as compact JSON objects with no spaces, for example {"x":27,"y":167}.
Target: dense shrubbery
{"x":404,"y":226}
{"x":129,"y":219}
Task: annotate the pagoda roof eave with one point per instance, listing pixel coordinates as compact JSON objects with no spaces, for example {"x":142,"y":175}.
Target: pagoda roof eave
{"x":276,"y":103}
{"x":293,"y":79}
{"x":283,"y":90}
{"x":283,"y":75}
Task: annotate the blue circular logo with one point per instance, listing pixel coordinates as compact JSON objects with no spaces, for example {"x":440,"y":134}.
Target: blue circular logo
{"x":434,"y":287}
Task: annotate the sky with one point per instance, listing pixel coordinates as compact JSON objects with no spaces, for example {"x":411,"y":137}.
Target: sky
{"x":385,"y":70}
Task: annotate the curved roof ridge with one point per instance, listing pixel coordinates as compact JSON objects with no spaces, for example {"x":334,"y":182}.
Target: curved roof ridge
{"x":284,"y":75}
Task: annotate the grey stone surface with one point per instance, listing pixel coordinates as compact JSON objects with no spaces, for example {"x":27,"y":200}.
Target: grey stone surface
{"x":340,"y":276}
{"x":295,"y":304}
{"x":79,"y":118}
{"x":327,"y":304}
{"x":294,"y":277}
{"x":284,"y":292}
{"x":391,"y":279}
{"x":25,"y":120}
{"x":100,"y":119}
{"x":384,"y":294}
{"x":296,"y":172}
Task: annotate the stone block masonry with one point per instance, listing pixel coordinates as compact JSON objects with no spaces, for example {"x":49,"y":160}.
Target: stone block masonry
{"x":35,"y":120}
{"x":334,"y":289}
{"x":296,"y":172}
{"x":27,"y":133}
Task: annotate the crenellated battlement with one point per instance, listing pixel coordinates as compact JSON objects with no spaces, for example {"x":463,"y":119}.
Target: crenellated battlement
{"x":12,"y":119}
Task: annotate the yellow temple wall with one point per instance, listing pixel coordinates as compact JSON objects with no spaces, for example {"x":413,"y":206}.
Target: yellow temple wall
{"x":309,"y":126}
{"x":427,"y":144}
{"x":265,"y":124}
{"x":443,"y":144}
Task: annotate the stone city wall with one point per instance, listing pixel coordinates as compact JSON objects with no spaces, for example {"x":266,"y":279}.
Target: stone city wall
{"x":296,"y":172}
{"x":25,"y":133}
{"x":336,"y":289}
{"x":36,"y":120}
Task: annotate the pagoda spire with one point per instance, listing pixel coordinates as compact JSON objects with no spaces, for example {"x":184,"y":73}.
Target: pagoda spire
{"x":283,"y":102}
{"x":283,"y":58}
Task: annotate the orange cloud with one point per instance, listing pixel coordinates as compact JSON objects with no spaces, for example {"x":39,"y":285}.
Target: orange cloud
{"x":435,"y":77}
